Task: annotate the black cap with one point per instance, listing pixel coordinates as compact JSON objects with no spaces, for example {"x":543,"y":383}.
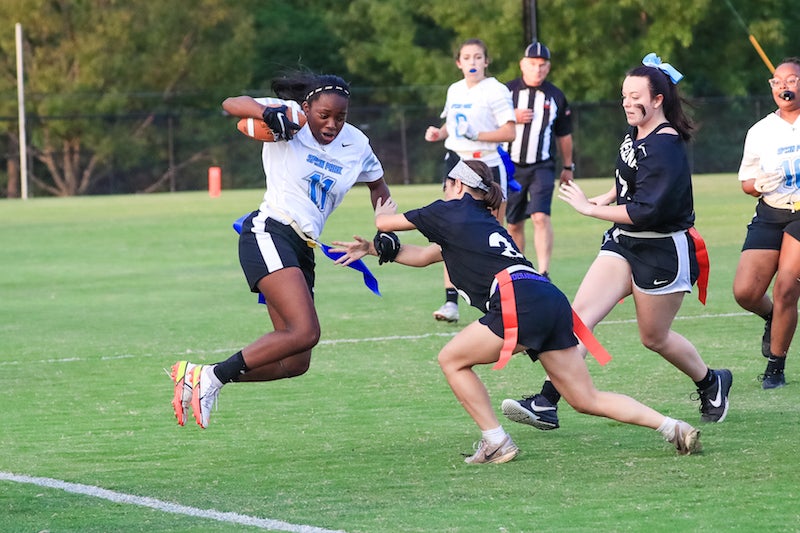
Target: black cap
{"x":537,"y":49}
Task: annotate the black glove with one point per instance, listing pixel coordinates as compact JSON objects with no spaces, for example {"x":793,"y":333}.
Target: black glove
{"x":387,"y":244}
{"x":282,"y":128}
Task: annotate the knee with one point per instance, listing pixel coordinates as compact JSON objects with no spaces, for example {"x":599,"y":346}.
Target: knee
{"x":745,"y":296}
{"x":540,"y":219}
{"x":652,"y":342}
{"x":448,"y":361}
{"x":306,"y":336}
{"x":582,"y":404}
{"x":786,"y":291}
{"x":297,"y":365}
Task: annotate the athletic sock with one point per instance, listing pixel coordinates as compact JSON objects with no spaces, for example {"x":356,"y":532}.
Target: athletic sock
{"x":451,"y":295}
{"x":707,"y":381}
{"x":767,"y":317}
{"x":550,"y":392}
{"x":667,"y":428}
{"x":231,"y":368}
{"x":494,"y":436}
{"x":775,"y":364}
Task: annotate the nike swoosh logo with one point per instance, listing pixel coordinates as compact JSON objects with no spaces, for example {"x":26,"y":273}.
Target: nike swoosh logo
{"x":490,"y":455}
{"x":660,"y":281}
{"x":345,"y":145}
{"x":535,"y":408}
{"x":716,"y":402}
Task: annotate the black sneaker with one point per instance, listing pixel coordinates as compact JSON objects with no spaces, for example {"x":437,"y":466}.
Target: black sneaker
{"x":714,"y":399}
{"x":536,"y":411}
{"x":767,"y":337}
{"x":772,"y":379}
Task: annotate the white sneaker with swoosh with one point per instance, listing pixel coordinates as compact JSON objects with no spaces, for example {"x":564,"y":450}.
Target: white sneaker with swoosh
{"x":494,"y":453}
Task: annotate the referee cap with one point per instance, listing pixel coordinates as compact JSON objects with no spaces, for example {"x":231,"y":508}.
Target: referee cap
{"x":537,"y":49}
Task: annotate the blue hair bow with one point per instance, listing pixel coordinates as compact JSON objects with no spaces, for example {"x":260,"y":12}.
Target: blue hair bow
{"x":652,"y":60}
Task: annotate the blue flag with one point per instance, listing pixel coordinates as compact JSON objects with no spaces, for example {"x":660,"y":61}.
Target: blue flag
{"x":369,"y":279}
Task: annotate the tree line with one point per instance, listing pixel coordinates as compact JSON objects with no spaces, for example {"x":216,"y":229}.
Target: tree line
{"x":129,"y":91}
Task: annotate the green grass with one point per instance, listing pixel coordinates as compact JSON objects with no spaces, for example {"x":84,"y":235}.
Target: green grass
{"x":98,"y":295}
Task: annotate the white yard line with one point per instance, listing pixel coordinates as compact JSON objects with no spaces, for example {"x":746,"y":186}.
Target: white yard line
{"x":119,"y":497}
{"x":324,"y":342}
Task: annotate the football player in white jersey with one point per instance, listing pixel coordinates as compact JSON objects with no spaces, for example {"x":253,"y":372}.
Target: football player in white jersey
{"x":479,"y":117}
{"x":308,"y":171}
{"x":770,"y":171}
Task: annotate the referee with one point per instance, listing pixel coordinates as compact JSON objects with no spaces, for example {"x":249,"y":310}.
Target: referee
{"x":543,"y":116}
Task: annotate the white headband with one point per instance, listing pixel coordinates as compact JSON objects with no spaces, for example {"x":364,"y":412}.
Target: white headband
{"x":337,"y":88}
{"x":467,"y":176}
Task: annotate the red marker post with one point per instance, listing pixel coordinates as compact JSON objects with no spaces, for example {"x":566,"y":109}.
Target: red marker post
{"x":214,"y":181}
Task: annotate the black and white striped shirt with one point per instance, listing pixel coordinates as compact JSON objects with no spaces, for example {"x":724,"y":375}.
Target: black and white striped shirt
{"x":551,"y":117}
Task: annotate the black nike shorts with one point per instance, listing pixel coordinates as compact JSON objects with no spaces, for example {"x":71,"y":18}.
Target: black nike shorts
{"x":266,"y":246}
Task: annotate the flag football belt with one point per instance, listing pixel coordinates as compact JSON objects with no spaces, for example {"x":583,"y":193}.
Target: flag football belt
{"x":700,"y":251}
{"x":370,"y":280}
{"x":794,"y":207}
{"x":504,"y":282}
{"x":477,"y":154}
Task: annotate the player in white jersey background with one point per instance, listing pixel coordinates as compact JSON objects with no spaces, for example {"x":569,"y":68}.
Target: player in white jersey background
{"x":770,"y":170}
{"x":308,"y":171}
{"x":478,"y":117}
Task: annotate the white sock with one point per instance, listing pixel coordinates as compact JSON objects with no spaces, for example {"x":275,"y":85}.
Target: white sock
{"x":667,"y":428}
{"x":213,"y":377}
{"x":494,"y":436}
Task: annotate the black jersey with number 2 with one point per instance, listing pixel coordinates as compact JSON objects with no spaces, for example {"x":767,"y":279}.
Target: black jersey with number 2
{"x":474,"y":246}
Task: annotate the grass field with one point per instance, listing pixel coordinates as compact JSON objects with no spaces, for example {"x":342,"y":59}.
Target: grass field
{"x":99,"y":294}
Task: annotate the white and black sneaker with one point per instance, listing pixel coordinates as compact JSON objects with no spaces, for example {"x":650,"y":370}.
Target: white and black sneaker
{"x":536,"y":411}
{"x":714,"y":399}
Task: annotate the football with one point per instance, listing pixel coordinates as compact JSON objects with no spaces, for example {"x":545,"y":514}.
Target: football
{"x":256,"y":128}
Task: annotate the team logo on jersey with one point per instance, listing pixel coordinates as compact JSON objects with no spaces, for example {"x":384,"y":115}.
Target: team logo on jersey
{"x":627,"y":152}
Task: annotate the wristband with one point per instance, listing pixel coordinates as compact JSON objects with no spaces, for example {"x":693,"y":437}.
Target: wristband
{"x":570,"y":167}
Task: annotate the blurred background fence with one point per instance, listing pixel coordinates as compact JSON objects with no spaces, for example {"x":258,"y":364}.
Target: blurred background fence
{"x":176,"y":150}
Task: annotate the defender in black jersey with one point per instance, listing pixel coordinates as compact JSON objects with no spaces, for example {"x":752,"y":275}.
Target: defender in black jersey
{"x":652,"y":250}
{"x":523,"y":310}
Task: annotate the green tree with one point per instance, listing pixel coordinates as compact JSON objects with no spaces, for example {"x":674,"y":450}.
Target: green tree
{"x":135,"y":59}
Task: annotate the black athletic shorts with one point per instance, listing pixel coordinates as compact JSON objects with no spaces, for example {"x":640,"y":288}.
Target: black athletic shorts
{"x":659,"y":264}
{"x":765,"y":231}
{"x":272,"y":246}
{"x":536,"y":196}
{"x":544,"y":316}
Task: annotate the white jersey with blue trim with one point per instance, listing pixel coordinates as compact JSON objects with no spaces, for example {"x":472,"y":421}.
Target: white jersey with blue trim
{"x":772,"y":144}
{"x":485,"y":107}
{"x":307,"y":180}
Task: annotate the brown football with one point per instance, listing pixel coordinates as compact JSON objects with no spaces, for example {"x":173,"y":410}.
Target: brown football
{"x":256,"y":128}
